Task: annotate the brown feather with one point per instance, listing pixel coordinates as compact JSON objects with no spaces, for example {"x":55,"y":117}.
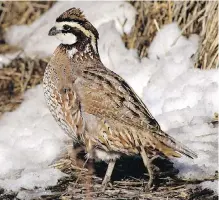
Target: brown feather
{"x":97,"y":107}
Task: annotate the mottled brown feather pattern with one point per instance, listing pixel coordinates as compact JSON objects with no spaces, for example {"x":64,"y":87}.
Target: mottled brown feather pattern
{"x":96,"y":107}
{"x":124,"y":121}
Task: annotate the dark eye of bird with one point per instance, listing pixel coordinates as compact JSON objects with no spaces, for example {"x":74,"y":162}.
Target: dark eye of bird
{"x":67,"y":28}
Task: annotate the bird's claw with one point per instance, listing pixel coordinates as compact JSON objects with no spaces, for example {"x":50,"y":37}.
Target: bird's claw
{"x":105,"y":183}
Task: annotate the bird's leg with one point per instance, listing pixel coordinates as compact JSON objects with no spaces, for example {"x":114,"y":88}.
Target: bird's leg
{"x":147,"y":164}
{"x":154,"y":158}
{"x":154,"y":167}
{"x":108,"y":174}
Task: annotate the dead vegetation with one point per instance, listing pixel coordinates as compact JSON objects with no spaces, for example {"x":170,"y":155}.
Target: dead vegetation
{"x":21,"y":73}
{"x":129,"y":183}
{"x":15,"y":79}
{"x":198,"y":17}
{"x":19,"y":13}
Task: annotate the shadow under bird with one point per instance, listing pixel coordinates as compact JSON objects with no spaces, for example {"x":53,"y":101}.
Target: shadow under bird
{"x":95,"y":106}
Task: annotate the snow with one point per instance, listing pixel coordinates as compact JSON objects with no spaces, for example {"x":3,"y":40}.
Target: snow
{"x":30,"y":141}
{"x":37,"y":178}
{"x":181,"y":98}
{"x":5,"y":59}
{"x":211,"y":185}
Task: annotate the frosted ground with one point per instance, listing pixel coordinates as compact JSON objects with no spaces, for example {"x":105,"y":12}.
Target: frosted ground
{"x":181,"y":98}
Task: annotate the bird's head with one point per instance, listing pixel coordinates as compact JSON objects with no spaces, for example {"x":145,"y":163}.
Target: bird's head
{"x":72,"y":27}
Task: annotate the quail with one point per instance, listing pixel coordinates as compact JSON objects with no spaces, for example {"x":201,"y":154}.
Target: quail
{"x":95,"y":106}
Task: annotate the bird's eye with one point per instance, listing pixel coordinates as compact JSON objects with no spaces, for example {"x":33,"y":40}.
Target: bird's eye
{"x":67,"y":28}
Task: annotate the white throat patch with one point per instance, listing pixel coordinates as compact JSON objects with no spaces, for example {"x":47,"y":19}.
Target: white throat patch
{"x":72,"y":52}
{"x":66,"y":38}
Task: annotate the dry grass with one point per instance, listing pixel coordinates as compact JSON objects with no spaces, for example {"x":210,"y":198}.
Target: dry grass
{"x":200,"y":17}
{"x":18,"y":13}
{"x":22,"y":12}
{"x":127,"y":183}
{"x":16,"y":78}
{"x":21,"y":73}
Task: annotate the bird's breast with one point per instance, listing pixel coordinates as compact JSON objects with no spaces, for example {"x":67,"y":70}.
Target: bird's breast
{"x":54,"y":87}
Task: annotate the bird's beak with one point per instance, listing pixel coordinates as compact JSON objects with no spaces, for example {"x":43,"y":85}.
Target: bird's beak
{"x":53,"y":31}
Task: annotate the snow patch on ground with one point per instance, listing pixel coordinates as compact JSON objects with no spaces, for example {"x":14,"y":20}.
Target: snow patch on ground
{"x":210,"y":185}
{"x":30,"y":179}
{"x":181,"y":98}
{"x":30,"y":140}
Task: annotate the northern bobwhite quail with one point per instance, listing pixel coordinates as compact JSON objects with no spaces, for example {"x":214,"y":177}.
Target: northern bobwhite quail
{"x":95,"y":106}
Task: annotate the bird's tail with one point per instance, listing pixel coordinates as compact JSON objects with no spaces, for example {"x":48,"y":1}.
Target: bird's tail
{"x":172,"y":148}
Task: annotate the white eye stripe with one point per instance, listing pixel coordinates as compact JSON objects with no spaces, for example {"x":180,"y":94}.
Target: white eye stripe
{"x":88,"y":33}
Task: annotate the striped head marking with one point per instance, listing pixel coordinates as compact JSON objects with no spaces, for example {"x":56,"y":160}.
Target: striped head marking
{"x":72,"y":27}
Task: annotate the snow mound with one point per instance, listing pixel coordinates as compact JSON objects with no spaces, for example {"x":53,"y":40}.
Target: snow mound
{"x":30,"y":140}
{"x":32,"y":179}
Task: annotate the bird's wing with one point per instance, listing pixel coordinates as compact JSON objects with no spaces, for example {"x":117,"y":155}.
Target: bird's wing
{"x":106,"y":95}
{"x":124,"y":120}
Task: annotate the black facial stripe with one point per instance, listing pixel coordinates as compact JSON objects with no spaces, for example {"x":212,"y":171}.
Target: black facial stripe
{"x":75,"y":31}
{"x":64,"y":31}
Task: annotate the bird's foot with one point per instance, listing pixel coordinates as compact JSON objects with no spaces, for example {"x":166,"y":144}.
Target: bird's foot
{"x":153,"y":171}
{"x":150,"y":168}
{"x":108,"y":174}
{"x":150,"y":185}
{"x":106,"y":183}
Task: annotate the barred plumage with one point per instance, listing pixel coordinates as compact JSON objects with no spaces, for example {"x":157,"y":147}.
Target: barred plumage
{"x":95,"y":106}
